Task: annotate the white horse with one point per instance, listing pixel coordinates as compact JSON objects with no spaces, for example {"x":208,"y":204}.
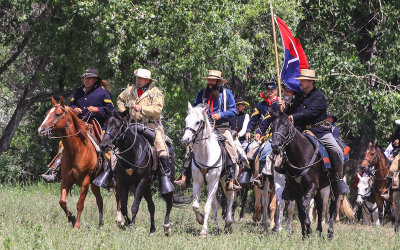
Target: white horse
{"x":206,"y":164}
{"x":368,"y":206}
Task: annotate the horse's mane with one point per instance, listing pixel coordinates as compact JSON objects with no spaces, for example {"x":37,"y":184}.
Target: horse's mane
{"x":78,"y":123}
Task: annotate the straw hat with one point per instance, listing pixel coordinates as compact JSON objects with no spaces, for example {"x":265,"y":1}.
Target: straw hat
{"x":215,"y":74}
{"x":144,"y":73}
{"x":307,"y":74}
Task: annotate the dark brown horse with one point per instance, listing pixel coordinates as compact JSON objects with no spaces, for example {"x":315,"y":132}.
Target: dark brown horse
{"x":79,"y":161}
{"x":305,"y":176}
{"x":376,"y":159}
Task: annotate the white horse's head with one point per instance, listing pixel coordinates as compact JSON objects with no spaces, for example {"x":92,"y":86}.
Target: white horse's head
{"x":364,"y":188}
{"x":196,"y":123}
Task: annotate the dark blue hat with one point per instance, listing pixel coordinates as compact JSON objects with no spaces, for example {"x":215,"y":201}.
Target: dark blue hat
{"x":270,"y":85}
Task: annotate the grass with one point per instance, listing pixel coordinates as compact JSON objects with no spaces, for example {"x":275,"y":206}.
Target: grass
{"x":31,"y":218}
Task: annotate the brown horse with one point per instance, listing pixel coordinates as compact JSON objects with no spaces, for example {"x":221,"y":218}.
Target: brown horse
{"x":374,"y":157}
{"x":79,"y":161}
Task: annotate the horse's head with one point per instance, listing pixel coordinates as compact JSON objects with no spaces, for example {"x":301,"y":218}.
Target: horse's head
{"x":371,"y":157}
{"x":55,"y":118}
{"x":283,"y":131}
{"x":196,"y":121}
{"x":115,"y":127}
{"x":364,"y":187}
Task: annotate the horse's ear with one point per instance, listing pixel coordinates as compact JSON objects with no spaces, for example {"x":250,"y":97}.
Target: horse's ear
{"x":358,"y":176}
{"x":53,"y":101}
{"x":62,"y":101}
{"x":189,"y":106}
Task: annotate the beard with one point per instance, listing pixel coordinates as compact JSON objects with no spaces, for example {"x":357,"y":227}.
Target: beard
{"x":213,"y":91}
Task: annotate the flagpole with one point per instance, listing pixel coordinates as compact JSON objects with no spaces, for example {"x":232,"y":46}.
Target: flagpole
{"x":276,"y":52}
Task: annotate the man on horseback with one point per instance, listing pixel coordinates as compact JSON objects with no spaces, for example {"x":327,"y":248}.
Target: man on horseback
{"x":259,"y":116}
{"x":394,"y":167}
{"x":144,"y":102}
{"x":221,"y":106}
{"x":89,"y":103}
{"x":310,"y":112}
{"x":240,"y":121}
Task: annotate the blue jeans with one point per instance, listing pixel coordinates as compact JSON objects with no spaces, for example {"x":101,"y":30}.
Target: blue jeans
{"x":266,"y":151}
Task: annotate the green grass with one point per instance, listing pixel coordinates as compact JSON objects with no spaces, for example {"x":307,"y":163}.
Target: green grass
{"x":31,"y":218}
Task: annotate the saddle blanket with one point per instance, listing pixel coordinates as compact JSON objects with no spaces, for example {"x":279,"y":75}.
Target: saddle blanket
{"x":323,"y":153}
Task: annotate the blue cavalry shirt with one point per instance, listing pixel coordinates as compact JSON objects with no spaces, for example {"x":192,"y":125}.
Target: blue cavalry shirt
{"x":96,"y":97}
{"x":310,"y":110}
{"x":218,"y":105}
{"x":261,"y":113}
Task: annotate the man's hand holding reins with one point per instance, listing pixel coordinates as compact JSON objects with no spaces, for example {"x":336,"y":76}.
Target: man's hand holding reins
{"x":216,"y":117}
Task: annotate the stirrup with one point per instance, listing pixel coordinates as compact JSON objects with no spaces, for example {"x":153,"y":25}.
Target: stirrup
{"x":232,"y":186}
{"x":181,"y":181}
{"x":258,"y":181}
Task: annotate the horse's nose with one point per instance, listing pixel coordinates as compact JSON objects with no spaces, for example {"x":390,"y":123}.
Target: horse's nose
{"x":41,"y":131}
{"x":359,"y":201}
{"x":185,"y":142}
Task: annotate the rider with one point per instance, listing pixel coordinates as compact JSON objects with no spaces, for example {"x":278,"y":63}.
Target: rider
{"x":259,"y":115}
{"x":331,"y":118}
{"x":144,"y":103}
{"x":309,"y":112}
{"x":88,"y":102}
{"x":394,"y":167}
{"x":240,"y":121}
{"x":221,"y":106}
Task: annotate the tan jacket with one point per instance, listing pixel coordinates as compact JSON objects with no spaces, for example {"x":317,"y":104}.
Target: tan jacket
{"x":151,"y":101}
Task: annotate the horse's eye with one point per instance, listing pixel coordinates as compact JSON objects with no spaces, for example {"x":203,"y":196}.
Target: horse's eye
{"x":57,"y":115}
{"x":197,"y":123}
{"x":366,"y":189}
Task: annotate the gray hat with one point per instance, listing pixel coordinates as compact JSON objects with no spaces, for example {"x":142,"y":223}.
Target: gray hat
{"x":90,"y":72}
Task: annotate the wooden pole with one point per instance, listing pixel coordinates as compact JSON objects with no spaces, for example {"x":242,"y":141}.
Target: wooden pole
{"x":276,"y":52}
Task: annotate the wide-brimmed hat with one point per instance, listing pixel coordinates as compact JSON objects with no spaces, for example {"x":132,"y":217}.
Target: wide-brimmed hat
{"x":331,"y":114}
{"x":144,"y":73}
{"x":215,"y":74}
{"x":307,"y":74}
{"x":270,"y":85}
{"x":241,"y":101}
{"x":90,"y":72}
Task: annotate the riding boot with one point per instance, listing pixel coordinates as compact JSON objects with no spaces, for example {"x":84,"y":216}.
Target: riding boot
{"x":386,"y":193}
{"x":244,"y":178}
{"x":258,"y":181}
{"x":53,"y":174}
{"x":232,"y":184}
{"x":105,"y":180}
{"x":181,"y":180}
{"x":166,"y":184}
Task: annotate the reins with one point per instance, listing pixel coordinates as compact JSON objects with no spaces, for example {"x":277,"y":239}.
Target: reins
{"x":49,"y":131}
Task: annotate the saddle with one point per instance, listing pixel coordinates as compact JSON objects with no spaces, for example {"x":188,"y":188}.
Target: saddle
{"x":323,"y":153}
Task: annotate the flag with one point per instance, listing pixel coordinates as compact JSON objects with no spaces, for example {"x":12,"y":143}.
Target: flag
{"x":295,"y":58}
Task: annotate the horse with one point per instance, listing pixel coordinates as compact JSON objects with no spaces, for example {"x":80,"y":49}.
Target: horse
{"x":375,"y":161}
{"x":365,"y":199}
{"x":305,"y":175}
{"x":207,"y":162}
{"x":136,"y":163}
{"x":79,"y":161}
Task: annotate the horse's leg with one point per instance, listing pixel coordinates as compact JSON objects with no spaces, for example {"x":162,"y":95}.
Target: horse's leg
{"x":311,"y":191}
{"x":379,"y":203}
{"x":215,"y":209}
{"x":198,"y":181}
{"x":169,"y":202}
{"x":212,"y":178}
{"x":118,"y":217}
{"x":65,"y":188}
{"x":150,"y":207}
{"x":244,"y":193}
{"x":319,"y":205}
{"x":229,"y":202}
{"x":272,"y":210}
{"x":290,"y":211}
{"x":265,"y":203}
{"x":139,"y":192}
{"x":99,"y":201}
{"x":302,"y":215}
{"x":396,"y":208}
{"x":124,"y":193}
{"x":325,"y":192}
{"x":257,"y":204}
{"x":81,"y":200}
{"x":332,"y":216}
{"x":279,"y":183}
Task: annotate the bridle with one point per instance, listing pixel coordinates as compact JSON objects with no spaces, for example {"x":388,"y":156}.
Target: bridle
{"x":372,"y":161}
{"x":287,"y":139}
{"x":197,"y":132}
{"x":50,"y":129}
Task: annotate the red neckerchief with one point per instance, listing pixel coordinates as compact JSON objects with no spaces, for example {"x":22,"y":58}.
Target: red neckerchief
{"x":140,"y":92}
{"x":212,"y":103}
{"x":269,"y":101}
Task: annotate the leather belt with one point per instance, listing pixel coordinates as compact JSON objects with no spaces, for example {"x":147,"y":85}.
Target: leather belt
{"x":323,"y":123}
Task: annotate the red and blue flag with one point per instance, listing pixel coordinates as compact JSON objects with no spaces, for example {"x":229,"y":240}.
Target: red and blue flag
{"x":295,"y":58}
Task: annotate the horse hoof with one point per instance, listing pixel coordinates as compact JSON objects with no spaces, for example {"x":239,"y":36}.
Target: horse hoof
{"x":167,"y":230}
{"x":203,"y":235}
{"x":151,"y":234}
{"x":200,"y":218}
